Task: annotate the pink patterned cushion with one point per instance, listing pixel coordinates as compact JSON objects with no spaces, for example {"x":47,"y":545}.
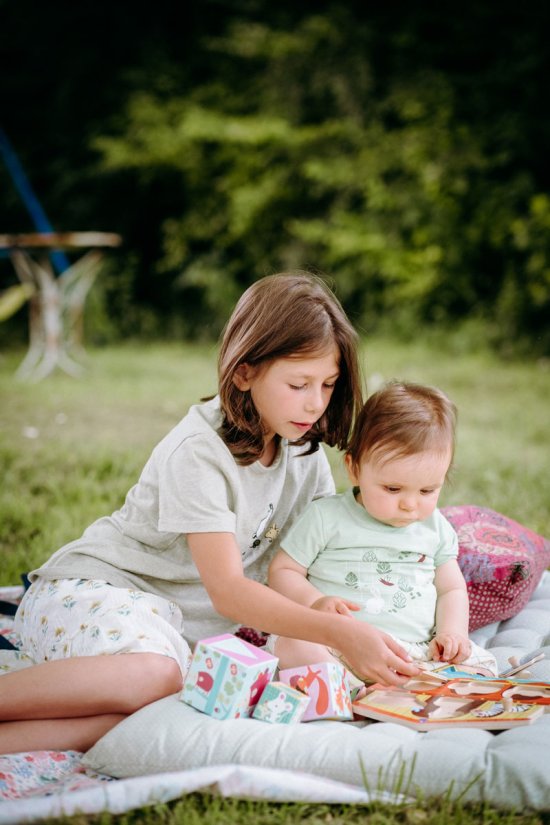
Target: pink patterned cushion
{"x":501,"y":561}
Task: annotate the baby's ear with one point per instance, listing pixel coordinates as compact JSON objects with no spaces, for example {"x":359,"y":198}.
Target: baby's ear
{"x":242,"y":377}
{"x":350,"y":467}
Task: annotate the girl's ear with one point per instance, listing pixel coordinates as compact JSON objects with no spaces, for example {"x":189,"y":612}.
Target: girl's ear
{"x":350,"y":467}
{"x":242,"y":377}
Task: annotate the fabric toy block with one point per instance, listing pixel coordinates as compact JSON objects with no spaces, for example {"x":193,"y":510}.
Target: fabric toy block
{"x":327,"y":683}
{"x":281,"y":703}
{"x":227,"y":676}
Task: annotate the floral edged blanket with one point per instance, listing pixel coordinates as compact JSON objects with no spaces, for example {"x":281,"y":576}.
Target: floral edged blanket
{"x":168,"y":749}
{"x":44,"y":773}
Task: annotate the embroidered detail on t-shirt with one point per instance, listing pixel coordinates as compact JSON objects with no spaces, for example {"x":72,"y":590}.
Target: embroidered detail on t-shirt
{"x":261,"y":529}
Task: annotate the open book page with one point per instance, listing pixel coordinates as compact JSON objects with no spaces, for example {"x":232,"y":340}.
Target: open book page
{"x":447,"y":697}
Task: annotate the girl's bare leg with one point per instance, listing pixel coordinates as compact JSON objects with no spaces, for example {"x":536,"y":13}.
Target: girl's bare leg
{"x":55,"y":734}
{"x":87,"y":686}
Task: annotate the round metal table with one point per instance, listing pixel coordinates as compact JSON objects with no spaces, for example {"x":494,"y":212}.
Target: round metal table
{"x":56,"y":302}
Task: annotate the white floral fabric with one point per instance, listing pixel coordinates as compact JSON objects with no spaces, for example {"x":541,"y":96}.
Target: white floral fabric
{"x":80,"y":617}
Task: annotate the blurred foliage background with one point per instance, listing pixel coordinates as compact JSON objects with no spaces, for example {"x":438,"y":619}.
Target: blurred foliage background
{"x":399,"y":148}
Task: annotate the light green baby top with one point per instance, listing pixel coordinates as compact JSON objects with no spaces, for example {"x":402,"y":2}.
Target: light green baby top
{"x":388,"y":570}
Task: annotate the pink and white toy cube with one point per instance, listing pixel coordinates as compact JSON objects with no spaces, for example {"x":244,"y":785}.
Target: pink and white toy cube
{"x":281,"y":703}
{"x":227,"y":676}
{"x":327,"y":685}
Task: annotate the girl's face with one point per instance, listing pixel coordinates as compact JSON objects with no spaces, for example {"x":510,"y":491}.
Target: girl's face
{"x":401,"y":491}
{"x":290,"y":394}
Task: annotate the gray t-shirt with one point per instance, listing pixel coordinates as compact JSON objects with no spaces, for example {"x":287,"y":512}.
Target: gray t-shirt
{"x":192,"y":484}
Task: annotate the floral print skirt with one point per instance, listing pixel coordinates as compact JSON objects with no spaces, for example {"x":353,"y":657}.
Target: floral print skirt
{"x":82,"y":617}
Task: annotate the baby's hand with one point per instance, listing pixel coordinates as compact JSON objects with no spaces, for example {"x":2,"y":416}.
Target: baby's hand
{"x":335,"y":604}
{"x":449,"y":647}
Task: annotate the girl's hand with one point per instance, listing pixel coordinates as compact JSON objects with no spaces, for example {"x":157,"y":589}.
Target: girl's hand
{"x":374,"y":655}
{"x":335,"y":604}
{"x":449,"y":647}
{"x":371,"y":654}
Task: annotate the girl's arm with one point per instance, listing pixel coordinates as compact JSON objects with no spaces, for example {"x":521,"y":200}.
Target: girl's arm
{"x":370,"y":653}
{"x":288,"y":577}
{"x":450,"y":643}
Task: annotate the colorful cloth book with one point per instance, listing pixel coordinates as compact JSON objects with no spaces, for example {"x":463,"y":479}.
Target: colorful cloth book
{"x":447,"y":697}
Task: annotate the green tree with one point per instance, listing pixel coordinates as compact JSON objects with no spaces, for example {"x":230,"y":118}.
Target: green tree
{"x":399,"y":148}
{"x":306,"y":163}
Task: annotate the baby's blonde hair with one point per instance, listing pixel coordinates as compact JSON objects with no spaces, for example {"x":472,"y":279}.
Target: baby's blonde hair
{"x":403,"y":419}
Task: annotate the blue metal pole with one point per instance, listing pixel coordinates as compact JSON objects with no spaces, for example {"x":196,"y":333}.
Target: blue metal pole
{"x":33,"y":205}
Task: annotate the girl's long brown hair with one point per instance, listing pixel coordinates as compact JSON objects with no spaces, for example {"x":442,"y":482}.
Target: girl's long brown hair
{"x":281,"y":316}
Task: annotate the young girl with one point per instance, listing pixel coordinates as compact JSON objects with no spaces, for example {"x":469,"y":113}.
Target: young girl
{"x":187,"y":554}
{"x":382,"y":551}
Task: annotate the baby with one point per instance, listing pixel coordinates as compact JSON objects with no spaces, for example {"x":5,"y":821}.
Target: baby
{"x":382,"y":552}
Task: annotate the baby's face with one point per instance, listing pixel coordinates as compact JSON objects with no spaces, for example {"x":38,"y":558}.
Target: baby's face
{"x":401,"y":491}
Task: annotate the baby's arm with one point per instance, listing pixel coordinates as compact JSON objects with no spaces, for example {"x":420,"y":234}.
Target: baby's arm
{"x":288,"y":577}
{"x":450,"y":643}
{"x":370,"y":653}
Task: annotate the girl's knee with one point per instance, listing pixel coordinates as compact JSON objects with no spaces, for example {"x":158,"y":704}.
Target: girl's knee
{"x":151,"y":676}
{"x":164,"y":674}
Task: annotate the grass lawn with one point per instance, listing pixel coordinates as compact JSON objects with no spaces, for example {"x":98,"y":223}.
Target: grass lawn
{"x":70,"y":449}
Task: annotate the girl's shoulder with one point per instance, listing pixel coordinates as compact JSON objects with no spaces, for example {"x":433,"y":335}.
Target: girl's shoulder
{"x":205,"y":417}
{"x":201,"y":425}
